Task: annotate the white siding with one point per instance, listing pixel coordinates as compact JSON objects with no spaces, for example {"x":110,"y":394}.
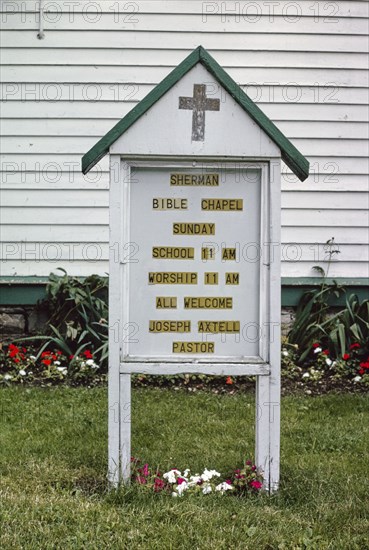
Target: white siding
{"x":305,"y":63}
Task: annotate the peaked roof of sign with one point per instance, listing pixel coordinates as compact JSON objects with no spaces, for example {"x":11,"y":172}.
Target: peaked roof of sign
{"x":291,"y":156}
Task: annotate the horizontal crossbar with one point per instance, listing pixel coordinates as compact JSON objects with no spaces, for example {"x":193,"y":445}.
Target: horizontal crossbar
{"x":218,"y":369}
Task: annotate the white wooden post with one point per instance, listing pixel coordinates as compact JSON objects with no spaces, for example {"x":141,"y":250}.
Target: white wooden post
{"x":275,"y":324}
{"x":267,"y":441}
{"x":125,"y":427}
{"x":114,"y":417}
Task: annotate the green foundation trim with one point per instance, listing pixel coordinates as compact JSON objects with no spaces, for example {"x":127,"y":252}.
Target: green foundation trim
{"x":26,"y":291}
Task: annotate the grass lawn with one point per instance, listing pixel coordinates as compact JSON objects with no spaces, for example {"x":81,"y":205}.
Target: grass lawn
{"x":53,"y":456}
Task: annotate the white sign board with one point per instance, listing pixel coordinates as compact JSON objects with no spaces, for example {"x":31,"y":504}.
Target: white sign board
{"x":194,"y":274}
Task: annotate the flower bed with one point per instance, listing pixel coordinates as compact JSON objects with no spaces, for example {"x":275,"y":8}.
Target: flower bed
{"x":242,"y":481}
{"x":319,"y":373}
{"x":19,"y":364}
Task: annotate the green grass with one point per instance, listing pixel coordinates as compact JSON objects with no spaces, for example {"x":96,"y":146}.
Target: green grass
{"x":53,"y":456}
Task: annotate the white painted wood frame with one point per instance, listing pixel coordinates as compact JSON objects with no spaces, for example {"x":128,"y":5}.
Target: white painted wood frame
{"x":266,"y":367}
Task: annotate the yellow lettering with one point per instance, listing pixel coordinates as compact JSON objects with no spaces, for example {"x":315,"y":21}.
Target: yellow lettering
{"x":169,"y":326}
{"x":173,"y":253}
{"x":208,"y":253}
{"x":232,"y":278}
{"x":211,"y":302}
{"x":166,"y":302}
{"x":228,"y":205}
{"x":211,"y":278}
{"x":228,"y":254}
{"x":172,"y":278}
{"x":195,"y":179}
{"x":194,"y":229}
{"x":169,"y":204}
{"x":193,"y":347}
{"x":214,"y":327}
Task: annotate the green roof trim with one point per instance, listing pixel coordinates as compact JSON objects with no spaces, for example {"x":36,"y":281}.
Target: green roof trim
{"x":291,"y":156}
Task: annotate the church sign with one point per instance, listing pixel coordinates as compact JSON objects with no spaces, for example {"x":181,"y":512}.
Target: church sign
{"x":194,"y":245}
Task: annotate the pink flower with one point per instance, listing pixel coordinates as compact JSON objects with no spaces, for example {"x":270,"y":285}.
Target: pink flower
{"x":141,"y":480}
{"x":256,"y":485}
{"x":145,"y":470}
{"x":159,"y":484}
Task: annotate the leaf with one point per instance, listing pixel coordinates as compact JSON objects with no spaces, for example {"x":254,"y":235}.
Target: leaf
{"x":319,"y":269}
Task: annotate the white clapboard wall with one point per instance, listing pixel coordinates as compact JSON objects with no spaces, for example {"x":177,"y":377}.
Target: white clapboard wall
{"x":305,"y":63}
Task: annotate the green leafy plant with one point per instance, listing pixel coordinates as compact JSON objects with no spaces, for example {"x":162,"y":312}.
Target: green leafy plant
{"x":350,"y":326}
{"x":311,"y":314}
{"x":78,"y":312}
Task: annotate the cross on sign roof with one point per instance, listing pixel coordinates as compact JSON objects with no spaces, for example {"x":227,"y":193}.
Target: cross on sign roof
{"x":199,"y":104}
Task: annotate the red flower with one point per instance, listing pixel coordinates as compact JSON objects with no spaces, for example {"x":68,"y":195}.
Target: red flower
{"x":229,"y":380}
{"x":16,"y":360}
{"x":71,"y":357}
{"x":141,"y":480}
{"x":46,"y":362}
{"x":355,"y":346}
{"x":345,"y":356}
{"x":159,"y":484}
{"x":316,"y":345}
{"x":181,"y":480}
{"x":144,"y":470}
{"x":58,"y":352}
{"x":88,"y":354}
{"x":364,"y":365}
{"x":45,"y":353}
{"x":13,"y":351}
{"x":326,"y":351}
{"x":256,"y":484}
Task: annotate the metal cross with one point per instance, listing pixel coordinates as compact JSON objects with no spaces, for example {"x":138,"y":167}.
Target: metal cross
{"x":199,"y":104}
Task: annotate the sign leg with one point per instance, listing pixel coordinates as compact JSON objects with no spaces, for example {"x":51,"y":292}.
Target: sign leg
{"x":125,"y":427}
{"x":267,"y":446}
{"x":262,"y":428}
{"x":114,"y":416}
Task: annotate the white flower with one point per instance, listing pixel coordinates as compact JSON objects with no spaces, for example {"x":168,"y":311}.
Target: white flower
{"x":208,"y":474}
{"x":174,"y":494}
{"x":306,"y":375}
{"x":285,"y":352}
{"x":56,"y":362}
{"x":32,"y":357}
{"x":7,"y":377}
{"x":194,"y":480}
{"x":185,"y":473}
{"x":171,"y":476}
{"x":357,"y":378}
{"x":63,"y":370}
{"x":90,"y":362}
{"x":317,"y":350}
{"x":207,"y":489}
{"x":328,"y":362}
{"x":182,"y":488}
{"x":224,"y":487}
{"x":22,"y":372}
